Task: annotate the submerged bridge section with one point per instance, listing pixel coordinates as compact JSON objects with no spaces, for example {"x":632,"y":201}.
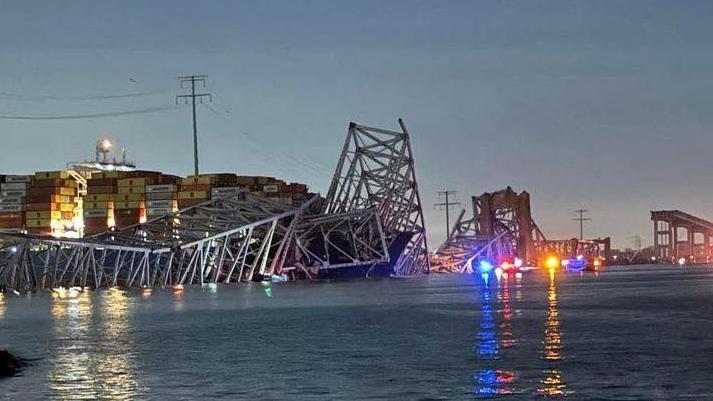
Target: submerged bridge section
{"x":571,"y":248}
{"x":681,"y":235}
{"x":372,"y":218}
{"x":501,"y":229}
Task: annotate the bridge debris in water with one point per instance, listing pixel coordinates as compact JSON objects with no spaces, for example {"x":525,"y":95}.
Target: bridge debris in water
{"x":502,"y":230}
{"x":371,"y":221}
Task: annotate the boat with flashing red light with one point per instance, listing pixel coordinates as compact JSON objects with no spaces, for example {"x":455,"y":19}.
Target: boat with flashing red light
{"x":512,"y":265}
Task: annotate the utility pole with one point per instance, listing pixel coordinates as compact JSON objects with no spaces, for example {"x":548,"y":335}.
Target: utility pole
{"x":192,"y":79}
{"x":447,"y":205}
{"x":581,"y":220}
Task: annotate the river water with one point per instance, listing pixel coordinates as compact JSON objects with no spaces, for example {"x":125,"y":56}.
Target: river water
{"x":628,"y":333}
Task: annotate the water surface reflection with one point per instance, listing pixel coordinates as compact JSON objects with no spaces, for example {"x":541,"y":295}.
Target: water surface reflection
{"x":70,"y":376}
{"x":491,"y":379}
{"x":95,"y":355}
{"x":552,"y":384}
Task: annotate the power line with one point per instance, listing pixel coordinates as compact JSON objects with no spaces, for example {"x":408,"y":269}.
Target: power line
{"x":287,"y":159}
{"x":21,"y":97}
{"x":192,"y":79}
{"x":447,"y":205}
{"x":84,"y":116}
{"x":581,"y":220}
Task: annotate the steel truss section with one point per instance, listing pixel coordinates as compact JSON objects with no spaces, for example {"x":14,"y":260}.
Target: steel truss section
{"x":338,"y":240}
{"x":220,"y":241}
{"x":500,"y":228}
{"x":466,"y":243}
{"x":376,"y":169}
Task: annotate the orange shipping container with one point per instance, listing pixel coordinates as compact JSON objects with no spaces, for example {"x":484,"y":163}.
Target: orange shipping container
{"x":105,"y":189}
{"x":53,"y":191}
{"x":129,"y":197}
{"x":39,"y":231}
{"x":101,"y":182}
{"x":193,"y":195}
{"x":136,"y":182}
{"x":11,"y":215}
{"x":98,"y":205}
{"x":54,"y":183}
{"x":131,"y":190}
{"x":96,"y":221}
{"x":196,"y":188}
{"x":49,"y":198}
{"x":98,"y":198}
{"x":128,"y":205}
{"x":184,"y":203}
{"x":12,"y":223}
{"x":43,"y":206}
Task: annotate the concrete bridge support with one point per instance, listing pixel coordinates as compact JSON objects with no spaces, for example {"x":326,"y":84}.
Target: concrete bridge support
{"x":681,"y":235}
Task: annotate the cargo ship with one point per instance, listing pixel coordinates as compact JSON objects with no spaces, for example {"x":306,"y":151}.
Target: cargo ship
{"x":106,"y":193}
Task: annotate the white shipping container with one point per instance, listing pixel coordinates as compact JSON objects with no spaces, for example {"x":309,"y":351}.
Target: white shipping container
{"x":12,"y":208}
{"x":12,"y":230}
{"x":18,"y":178}
{"x":12,"y":200}
{"x":13,"y":185}
{"x":14,"y":192}
{"x":96,"y":213}
{"x":227,"y":191}
{"x":159,"y":211}
{"x":269,"y":188}
{"x":161,"y":188}
{"x":160,"y":195}
{"x":150,"y":204}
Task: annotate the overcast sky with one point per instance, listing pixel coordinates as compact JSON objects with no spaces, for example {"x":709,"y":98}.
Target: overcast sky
{"x":601,"y":105}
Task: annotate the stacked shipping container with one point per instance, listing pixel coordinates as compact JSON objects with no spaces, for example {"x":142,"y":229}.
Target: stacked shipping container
{"x":162,"y":198}
{"x":99,"y":202}
{"x":129,"y":205}
{"x":128,"y":198}
{"x":47,"y":202}
{"x":51,"y":203}
{"x":13,"y":195}
{"x":276,"y":189}
{"x":198,"y":188}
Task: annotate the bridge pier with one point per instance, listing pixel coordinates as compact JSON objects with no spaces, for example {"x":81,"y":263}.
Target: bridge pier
{"x":668,"y":244}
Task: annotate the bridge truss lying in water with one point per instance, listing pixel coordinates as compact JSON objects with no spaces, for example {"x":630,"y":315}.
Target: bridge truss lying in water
{"x":371,"y":218}
{"x":502,"y":229}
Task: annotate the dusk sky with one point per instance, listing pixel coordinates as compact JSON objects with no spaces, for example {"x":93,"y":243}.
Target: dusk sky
{"x":602,"y":105}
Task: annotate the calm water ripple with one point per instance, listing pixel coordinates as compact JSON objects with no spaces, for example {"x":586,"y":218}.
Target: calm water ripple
{"x":630,"y":333}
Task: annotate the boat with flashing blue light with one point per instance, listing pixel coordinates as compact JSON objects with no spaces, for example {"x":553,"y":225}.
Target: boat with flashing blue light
{"x":581,"y":263}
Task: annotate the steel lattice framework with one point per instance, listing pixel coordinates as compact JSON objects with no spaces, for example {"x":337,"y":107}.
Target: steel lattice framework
{"x":330,"y":241}
{"x":376,"y":169}
{"x":466,"y":243}
{"x":220,"y":241}
{"x":373,"y":200}
{"x":500,"y":228}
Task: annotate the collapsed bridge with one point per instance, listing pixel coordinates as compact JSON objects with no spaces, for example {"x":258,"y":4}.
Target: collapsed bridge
{"x":501,"y":228}
{"x":371,"y":222}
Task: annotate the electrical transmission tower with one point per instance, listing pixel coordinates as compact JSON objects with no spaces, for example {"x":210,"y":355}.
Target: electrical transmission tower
{"x":636,"y":242}
{"x":581,"y":220}
{"x":447,"y":205}
{"x":192,"y":80}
